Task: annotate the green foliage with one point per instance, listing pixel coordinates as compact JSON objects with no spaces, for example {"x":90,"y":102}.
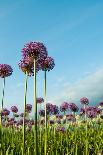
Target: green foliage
{"x":71,"y":142}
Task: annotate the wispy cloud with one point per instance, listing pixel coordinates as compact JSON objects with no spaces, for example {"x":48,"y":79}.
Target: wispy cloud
{"x":90,"y":86}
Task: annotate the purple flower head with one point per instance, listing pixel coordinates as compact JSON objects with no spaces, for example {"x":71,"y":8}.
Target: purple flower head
{"x":91,"y":114}
{"x":42,"y":113}
{"x":58,"y":116}
{"x":14,"y":109}
{"x":5,"y":112}
{"x":73,"y":107}
{"x":101,"y":104}
{"x":51,"y":109}
{"x":34,"y":50}
{"x":84,"y":101}
{"x":92,"y":108}
{"x":82,"y":110}
{"x":55,"y":110}
{"x":99,"y":111}
{"x":28,"y":108}
{"x":5,"y":70}
{"x":39,"y":100}
{"x":61,"y":129}
{"x":64,"y":107}
{"x":47,"y":64}
{"x":27,"y":66}
{"x":11,"y":119}
{"x":70,"y":117}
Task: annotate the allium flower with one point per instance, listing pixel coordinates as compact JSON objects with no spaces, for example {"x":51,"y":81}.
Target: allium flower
{"x":59,"y":116}
{"x":61,"y":129}
{"x":101,"y":104}
{"x":82,"y":110}
{"x":34,"y":50}
{"x":64,"y":107}
{"x":5,"y":112}
{"x":70,"y":117}
{"x":5,"y":70}
{"x":92,"y":108}
{"x":55,"y":110}
{"x":14,"y":109}
{"x":39,"y":100}
{"x":84,"y":101}
{"x":47,"y":64}
{"x":52,"y":109}
{"x":11,"y":119}
{"x":99,"y":111}
{"x":42,"y":113}
{"x":73,"y":107}
{"x":28,"y":108}
{"x":27,"y":66}
{"x":91,"y":114}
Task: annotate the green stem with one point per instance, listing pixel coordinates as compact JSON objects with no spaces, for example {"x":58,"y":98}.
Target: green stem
{"x":3,"y":93}
{"x":25,"y":97}
{"x":1,"y":110}
{"x":45,"y":112}
{"x":35,"y":110}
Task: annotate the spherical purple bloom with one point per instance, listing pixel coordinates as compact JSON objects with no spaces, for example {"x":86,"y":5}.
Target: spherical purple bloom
{"x":14,"y":109}
{"x":101,"y":104}
{"x":64,"y":107}
{"x":10,"y":119}
{"x":5,"y":70}
{"x":99,"y":111}
{"x":73,"y":107}
{"x":47,"y":64}
{"x":92,"y":108}
{"x":28,"y":108}
{"x":39,"y":100}
{"x":91,"y":114}
{"x":34,"y":50}
{"x":5,"y":112}
{"x":51,"y":109}
{"x":82,"y":111}
{"x":84,"y":101}
{"x":55,"y":110}
{"x":28,"y":67}
{"x":42,"y":113}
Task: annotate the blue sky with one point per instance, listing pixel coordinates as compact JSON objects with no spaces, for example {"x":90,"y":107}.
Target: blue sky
{"x":73,"y":34}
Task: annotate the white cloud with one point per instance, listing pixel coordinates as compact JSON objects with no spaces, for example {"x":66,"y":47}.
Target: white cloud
{"x":90,"y":86}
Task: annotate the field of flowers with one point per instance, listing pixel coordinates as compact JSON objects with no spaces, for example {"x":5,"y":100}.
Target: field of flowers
{"x":55,"y":130}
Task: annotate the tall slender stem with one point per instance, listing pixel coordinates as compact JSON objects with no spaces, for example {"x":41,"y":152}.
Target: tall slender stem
{"x":2,"y":109}
{"x":25,"y":99}
{"x":3,"y":93}
{"x":45,"y":98}
{"x":45,"y":112}
{"x":35,"y":110}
